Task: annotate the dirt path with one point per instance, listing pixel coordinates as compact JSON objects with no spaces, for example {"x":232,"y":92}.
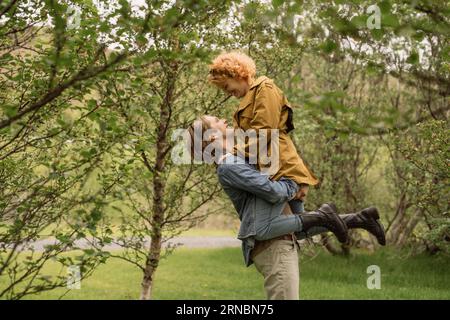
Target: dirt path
{"x":188,"y":242}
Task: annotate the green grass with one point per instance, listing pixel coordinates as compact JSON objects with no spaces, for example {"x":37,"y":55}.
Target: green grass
{"x":194,"y":232}
{"x":202,"y":232}
{"x":221,"y":274}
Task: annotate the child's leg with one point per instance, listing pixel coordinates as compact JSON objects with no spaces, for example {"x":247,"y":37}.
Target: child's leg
{"x":271,"y":223}
{"x":272,"y":197}
{"x":297,"y":207}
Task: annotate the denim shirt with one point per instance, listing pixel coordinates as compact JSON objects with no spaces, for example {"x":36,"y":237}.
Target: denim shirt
{"x":252,"y":192}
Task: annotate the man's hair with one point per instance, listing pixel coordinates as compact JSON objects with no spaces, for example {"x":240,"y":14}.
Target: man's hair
{"x":196,"y":131}
{"x":233,"y":64}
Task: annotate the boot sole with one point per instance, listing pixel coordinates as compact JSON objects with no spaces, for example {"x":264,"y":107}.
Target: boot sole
{"x":372,"y":214}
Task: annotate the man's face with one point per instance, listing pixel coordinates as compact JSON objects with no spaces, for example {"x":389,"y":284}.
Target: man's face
{"x":236,"y":87}
{"x":217,"y":124}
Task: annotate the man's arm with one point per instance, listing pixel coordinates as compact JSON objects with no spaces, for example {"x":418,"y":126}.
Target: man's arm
{"x":244,"y":177}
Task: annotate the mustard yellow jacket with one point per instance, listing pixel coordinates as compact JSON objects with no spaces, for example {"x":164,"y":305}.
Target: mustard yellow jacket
{"x":266,"y":107}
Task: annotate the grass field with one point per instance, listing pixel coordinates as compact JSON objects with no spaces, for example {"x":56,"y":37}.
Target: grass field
{"x":221,"y":274}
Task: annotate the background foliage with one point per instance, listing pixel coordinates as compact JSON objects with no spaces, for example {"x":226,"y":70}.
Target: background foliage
{"x":90,"y":98}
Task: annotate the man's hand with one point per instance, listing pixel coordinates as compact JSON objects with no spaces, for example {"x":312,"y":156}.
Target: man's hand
{"x":302,"y":192}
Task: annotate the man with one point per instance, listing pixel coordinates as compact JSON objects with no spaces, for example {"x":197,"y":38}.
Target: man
{"x":264,"y":108}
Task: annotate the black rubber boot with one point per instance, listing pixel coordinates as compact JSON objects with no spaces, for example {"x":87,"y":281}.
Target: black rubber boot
{"x":367,"y":219}
{"x":326,"y":216}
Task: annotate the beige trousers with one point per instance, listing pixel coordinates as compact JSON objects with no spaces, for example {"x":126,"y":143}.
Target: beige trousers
{"x":279,"y":266}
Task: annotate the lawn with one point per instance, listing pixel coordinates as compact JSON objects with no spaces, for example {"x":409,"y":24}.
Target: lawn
{"x":221,"y":274}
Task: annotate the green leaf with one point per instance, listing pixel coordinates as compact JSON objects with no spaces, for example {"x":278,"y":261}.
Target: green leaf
{"x":9,"y":110}
{"x":328,"y":46}
{"x":359,"y":21}
{"x":413,"y":58}
{"x":389,"y":20}
{"x":277,"y":3}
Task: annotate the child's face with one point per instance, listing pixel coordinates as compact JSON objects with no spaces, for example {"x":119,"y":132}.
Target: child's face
{"x":236,"y":87}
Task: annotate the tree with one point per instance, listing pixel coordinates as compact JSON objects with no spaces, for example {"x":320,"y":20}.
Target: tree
{"x":49,"y":148}
{"x":165,"y":91}
{"x":411,"y":45}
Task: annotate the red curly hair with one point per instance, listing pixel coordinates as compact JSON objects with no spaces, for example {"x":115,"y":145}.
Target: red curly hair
{"x":231,"y":65}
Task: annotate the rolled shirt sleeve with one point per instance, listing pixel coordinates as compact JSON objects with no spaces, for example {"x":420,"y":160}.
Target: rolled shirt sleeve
{"x":247,"y":178}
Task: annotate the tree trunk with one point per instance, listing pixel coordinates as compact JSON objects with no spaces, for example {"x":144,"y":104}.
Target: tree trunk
{"x":154,"y":254}
{"x":150,"y":267}
{"x":159,"y":186}
{"x":329,"y":246}
{"x":398,"y":222}
{"x":412,"y":223}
